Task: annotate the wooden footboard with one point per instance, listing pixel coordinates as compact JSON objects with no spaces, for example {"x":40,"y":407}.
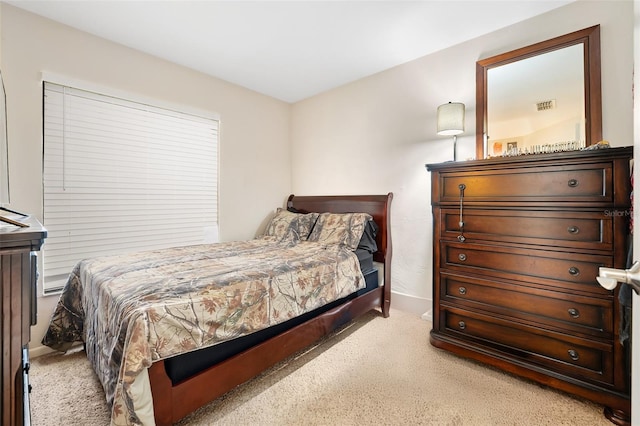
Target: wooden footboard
{"x":173,"y":402}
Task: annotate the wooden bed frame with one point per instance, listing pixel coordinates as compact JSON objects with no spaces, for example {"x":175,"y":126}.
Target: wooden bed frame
{"x":173,"y":402}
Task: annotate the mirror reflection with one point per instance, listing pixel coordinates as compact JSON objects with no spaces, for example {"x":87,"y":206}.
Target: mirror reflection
{"x":541,"y":98}
{"x":537,"y":104}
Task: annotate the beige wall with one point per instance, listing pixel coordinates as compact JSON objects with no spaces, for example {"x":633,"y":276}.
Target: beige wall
{"x":255,"y":145}
{"x":376,"y":134}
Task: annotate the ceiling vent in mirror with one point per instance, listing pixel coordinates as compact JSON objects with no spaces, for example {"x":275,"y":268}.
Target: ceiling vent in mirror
{"x":545,"y":105}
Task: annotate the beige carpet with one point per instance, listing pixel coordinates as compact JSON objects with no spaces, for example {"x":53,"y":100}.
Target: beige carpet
{"x":376,"y":371}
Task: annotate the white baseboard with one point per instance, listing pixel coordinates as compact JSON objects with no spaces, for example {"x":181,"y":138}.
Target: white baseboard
{"x":39,"y":351}
{"x":428,"y":316}
{"x":408,"y":303}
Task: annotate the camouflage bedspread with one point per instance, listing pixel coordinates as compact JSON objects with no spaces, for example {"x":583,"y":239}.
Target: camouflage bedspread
{"x":131,"y":310}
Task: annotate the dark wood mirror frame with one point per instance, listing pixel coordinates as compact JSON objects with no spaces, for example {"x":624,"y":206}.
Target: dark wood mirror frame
{"x":590,"y":37}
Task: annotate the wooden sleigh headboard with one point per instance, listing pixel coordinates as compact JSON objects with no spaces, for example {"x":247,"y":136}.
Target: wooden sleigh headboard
{"x":378,"y":206}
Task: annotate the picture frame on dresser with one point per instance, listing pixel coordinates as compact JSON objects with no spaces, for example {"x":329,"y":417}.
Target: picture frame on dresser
{"x":4,"y":148}
{"x":7,"y":215}
{"x":12,"y":217}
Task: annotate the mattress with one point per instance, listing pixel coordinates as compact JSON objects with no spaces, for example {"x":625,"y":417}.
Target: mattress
{"x":186,"y":365}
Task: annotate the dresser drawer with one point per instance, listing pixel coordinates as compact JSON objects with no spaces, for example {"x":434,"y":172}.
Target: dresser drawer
{"x":580,"y":358}
{"x":583,"y":230}
{"x":561,"y":270}
{"x":563,"y":184}
{"x":561,"y":311}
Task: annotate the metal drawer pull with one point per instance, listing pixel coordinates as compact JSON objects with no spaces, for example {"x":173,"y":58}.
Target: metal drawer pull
{"x":574,"y":313}
{"x":572,"y":183}
{"x":462,"y":325}
{"x":574,"y":271}
{"x":462,"y":257}
{"x":462,"y":290}
{"x":573,"y":354}
{"x":573,"y":229}
{"x":461,"y":237}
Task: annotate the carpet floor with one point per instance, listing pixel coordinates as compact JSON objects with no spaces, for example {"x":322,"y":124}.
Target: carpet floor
{"x":375,"y":370}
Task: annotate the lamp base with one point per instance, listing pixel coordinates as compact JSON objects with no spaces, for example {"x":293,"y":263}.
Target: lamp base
{"x":455,"y":142}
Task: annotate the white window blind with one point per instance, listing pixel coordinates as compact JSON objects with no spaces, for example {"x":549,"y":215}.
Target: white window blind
{"x":121,"y":176}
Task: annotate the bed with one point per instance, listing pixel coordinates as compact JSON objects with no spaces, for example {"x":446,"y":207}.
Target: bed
{"x":171,"y":330}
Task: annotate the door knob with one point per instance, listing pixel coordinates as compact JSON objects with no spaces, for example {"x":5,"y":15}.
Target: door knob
{"x":610,"y":277}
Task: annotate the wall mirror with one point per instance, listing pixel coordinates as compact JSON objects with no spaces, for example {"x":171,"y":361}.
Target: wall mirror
{"x":541,"y":98}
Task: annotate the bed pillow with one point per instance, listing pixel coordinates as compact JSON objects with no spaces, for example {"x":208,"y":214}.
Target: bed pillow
{"x":289,"y":226}
{"x":339,"y":228}
{"x":368,"y":240}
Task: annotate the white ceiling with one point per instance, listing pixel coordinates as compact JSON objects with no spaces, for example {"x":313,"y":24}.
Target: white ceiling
{"x":289,"y":50}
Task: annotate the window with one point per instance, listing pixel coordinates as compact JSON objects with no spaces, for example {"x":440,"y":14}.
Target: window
{"x":121,"y":176}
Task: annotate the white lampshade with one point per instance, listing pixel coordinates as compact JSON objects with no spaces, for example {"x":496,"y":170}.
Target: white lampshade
{"x":451,"y":119}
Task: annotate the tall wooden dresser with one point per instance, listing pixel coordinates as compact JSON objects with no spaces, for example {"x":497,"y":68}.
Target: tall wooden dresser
{"x":517,"y":246}
{"x":18,"y":276}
